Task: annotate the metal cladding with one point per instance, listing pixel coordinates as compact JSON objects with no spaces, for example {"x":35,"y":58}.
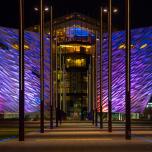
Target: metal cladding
{"x":9,"y":71}
{"x":141,"y":71}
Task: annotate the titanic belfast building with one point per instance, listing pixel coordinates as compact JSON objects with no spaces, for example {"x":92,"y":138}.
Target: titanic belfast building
{"x":76,"y":68}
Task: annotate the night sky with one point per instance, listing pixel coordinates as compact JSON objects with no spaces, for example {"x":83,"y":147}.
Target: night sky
{"x":141,"y":11}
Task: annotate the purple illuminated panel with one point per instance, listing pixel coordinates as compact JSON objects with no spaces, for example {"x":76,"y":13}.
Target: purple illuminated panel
{"x":9,"y":69}
{"x":141,"y":71}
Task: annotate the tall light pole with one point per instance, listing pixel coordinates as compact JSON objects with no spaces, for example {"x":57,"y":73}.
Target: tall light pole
{"x":56,"y":67}
{"x":42,"y":10}
{"x":109,"y":11}
{"x":110,"y":66}
{"x":128,"y":80}
{"x":93,"y":89}
{"x":101,"y":35}
{"x":89,"y":89}
{"x":51,"y":68}
{"x":41,"y":66}
{"x":95,"y":82}
{"x":64,"y":95}
{"x":60,"y":101}
{"x":21,"y":71}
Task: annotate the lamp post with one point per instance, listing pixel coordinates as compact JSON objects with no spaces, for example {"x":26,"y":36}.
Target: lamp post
{"x":42,"y":10}
{"x":110,"y":66}
{"x":21,"y":71}
{"x":60,"y":101}
{"x":95,"y":81}
{"x":41,"y":66}
{"x":56,"y":79}
{"x":51,"y":69}
{"x":56,"y":67}
{"x":108,"y":11}
{"x":101,"y":35}
{"x":64,"y":95}
{"x":93,"y":89}
{"x":128,"y":79}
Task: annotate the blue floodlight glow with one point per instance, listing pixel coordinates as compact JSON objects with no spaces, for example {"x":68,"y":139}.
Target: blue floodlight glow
{"x":77,"y":31}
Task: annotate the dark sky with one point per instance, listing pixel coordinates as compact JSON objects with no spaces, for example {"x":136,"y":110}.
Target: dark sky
{"x":141,"y":11}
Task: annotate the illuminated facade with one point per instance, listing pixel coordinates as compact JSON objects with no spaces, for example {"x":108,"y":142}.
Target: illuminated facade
{"x":76,"y":42}
{"x":9,"y":69}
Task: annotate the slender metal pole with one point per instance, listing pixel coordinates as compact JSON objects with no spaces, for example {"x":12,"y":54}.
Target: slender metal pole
{"x":92,"y":77}
{"x":57,"y":116}
{"x":42,"y":66}
{"x":128,"y":79}
{"x":64,"y":109}
{"x":95,"y":82}
{"x":81,"y":81}
{"x":51,"y":69}
{"x":89,"y":90}
{"x":60,"y":101}
{"x":21,"y":71}
{"x":110,"y":66}
{"x":101,"y":35}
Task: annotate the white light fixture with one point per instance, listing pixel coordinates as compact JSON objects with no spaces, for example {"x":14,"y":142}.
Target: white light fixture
{"x":36,"y":9}
{"x":105,"y":10}
{"x":115,"y":10}
{"x":46,"y":9}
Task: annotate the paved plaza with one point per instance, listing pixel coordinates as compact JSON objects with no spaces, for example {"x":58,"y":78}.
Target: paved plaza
{"x":82,"y":137}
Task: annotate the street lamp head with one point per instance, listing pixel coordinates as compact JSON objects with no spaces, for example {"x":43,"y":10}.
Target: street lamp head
{"x":115,"y":10}
{"x":105,"y":10}
{"x":36,"y":9}
{"x":46,"y":9}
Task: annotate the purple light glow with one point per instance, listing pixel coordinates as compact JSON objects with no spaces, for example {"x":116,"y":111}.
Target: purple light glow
{"x":9,"y":60}
{"x":141,"y":71}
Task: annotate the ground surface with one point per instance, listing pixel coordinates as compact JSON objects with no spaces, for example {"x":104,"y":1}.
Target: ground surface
{"x":82,"y":137}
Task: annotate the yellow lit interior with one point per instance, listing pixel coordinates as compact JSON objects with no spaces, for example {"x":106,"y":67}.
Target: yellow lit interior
{"x":123,"y":46}
{"x":75,"y":62}
{"x":75,"y":48}
{"x":143,"y":46}
{"x":15,"y":46}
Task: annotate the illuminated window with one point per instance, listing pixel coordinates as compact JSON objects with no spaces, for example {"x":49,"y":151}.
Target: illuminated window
{"x":16,"y":46}
{"x":123,"y":46}
{"x":78,"y":62}
{"x":143,"y":46}
{"x":76,"y":48}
